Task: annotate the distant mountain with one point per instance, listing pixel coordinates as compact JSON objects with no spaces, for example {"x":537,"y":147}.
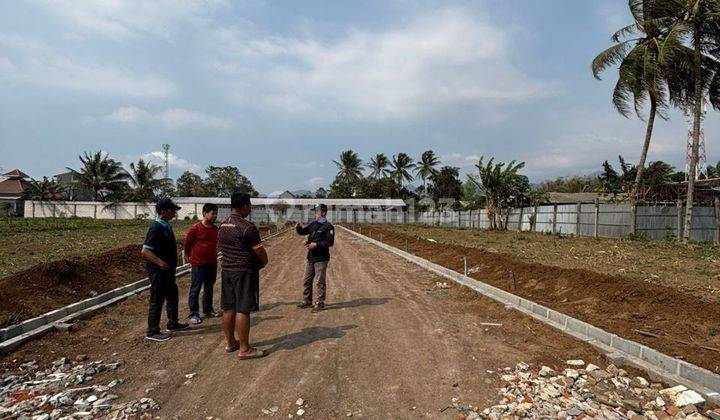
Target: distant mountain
{"x":300,"y":193}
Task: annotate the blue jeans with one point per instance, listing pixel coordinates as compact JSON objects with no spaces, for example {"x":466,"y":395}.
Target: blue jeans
{"x":203,"y":277}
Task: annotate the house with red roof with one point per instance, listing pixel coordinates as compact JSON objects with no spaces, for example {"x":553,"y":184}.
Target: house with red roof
{"x":11,"y":192}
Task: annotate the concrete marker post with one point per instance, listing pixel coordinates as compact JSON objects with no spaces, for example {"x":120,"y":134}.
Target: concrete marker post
{"x":578,"y":209}
{"x":679,"y":223}
{"x":554,"y":219}
{"x":717,"y":220}
{"x":597,"y":218}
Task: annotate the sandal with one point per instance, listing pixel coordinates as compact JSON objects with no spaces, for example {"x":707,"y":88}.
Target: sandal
{"x":235,"y":347}
{"x":256,"y":355}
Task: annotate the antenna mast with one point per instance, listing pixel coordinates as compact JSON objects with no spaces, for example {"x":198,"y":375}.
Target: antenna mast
{"x":166,"y":152}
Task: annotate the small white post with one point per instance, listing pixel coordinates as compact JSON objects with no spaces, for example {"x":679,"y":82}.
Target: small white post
{"x":465,"y":265}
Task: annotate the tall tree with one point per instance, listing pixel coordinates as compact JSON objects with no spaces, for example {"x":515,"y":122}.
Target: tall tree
{"x":144,"y":182}
{"x":499,"y":183}
{"x":191,"y":185}
{"x":642,"y":74}
{"x":400,"y":169}
{"x":426,"y":167}
{"x":377,"y":165}
{"x":349,"y":166}
{"x":224,"y":181}
{"x":446,"y":185}
{"x":696,"y":22}
{"x":101,"y":174}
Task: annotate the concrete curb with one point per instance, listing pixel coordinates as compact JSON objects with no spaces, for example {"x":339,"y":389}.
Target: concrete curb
{"x":15,"y":335}
{"x":660,"y":366}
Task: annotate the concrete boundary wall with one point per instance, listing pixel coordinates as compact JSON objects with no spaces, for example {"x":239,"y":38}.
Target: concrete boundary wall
{"x":659,"y":365}
{"x":15,"y":335}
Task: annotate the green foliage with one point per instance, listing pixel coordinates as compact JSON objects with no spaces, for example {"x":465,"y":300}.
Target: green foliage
{"x":426,"y":167}
{"x":400,"y":168}
{"x":571,"y":184}
{"x":145,"y":186}
{"x":226,"y":180}
{"x":191,"y":185}
{"x":472,"y":195}
{"x":45,"y":189}
{"x":500,"y":183}
{"x":102,"y":175}
{"x":377,"y":165}
{"x":446,"y":185}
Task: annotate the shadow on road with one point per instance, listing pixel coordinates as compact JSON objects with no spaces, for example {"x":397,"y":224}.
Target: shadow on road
{"x":274,"y":305}
{"x":357,"y":303}
{"x":217,"y":327}
{"x":304,"y":337}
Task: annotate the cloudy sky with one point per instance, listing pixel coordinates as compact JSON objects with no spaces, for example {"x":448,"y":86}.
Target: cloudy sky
{"x":280,"y":88}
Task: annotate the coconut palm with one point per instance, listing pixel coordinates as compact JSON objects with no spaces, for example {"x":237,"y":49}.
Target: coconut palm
{"x":498,"y":183}
{"x":349,"y":166}
{"x":400,"y":169}
{"x":144,"y":182}
{"x":426,"y":167}
{"x":697,"y":23}
{"x":377,"y":165}
{"x":101,"y":174}
{"x":642,"y":75}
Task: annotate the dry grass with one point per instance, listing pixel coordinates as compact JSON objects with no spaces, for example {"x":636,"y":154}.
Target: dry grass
{"x":27,"y":242}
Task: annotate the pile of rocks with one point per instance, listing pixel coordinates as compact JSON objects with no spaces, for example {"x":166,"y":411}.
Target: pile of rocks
{"x":585,"y":390}
{"x":62,"y":391}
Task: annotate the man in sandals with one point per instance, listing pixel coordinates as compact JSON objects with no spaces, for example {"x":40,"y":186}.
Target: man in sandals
{"x":321,"y":236}
{"x":243,"y":255}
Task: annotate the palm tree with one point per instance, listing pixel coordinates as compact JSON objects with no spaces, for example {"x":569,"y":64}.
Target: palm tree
{"x":498,"y":184}
{"x":698,"y":22}
{"x":426,"y":167}
{"x":377,"y":165}
{"x":143,"y":180}
{"x":46,"y":189}
{"x":102,"y":175}
{"x":642,"y":76}
{"x":400,"y":169}
{"x":350,"y":166}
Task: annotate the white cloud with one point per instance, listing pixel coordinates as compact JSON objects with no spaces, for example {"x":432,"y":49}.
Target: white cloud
{"x":459,"y":160}
{"x":127,"y":18}
{"x":32,"y":62}
{"x":174,"y":118}
{"x":174,"y":161}
{"x":315,"y":182}
{"x":441,"y":61}
{"x":304,"y":165}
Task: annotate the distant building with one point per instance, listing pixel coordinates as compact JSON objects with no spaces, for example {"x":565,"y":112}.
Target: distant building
{"x":12,"y":189}
{"x":73,"y":190}
{"x":286,"y":194}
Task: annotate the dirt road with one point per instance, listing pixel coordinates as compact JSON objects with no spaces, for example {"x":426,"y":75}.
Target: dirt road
{"x":389,"y":345}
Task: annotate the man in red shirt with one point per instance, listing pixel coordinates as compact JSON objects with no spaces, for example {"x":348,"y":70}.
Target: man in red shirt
{"x":201,"y":248}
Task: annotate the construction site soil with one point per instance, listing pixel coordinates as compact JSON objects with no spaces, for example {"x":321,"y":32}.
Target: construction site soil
{"x":676,"y":323}
{"x":45,"y":287}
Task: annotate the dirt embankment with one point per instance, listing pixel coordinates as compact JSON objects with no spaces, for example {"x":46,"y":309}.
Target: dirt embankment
{"x":45,"y":287}
{"x":661,"y":317}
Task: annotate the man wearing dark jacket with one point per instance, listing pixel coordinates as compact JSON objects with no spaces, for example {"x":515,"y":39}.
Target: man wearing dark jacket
{"x":321,"y":236}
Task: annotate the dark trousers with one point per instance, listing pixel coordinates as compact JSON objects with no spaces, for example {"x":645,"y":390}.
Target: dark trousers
{"x":203,"y":277}
{"x":163,"y":290}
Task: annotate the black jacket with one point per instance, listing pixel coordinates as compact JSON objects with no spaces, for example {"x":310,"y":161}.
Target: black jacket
{"x":323,"y":234}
